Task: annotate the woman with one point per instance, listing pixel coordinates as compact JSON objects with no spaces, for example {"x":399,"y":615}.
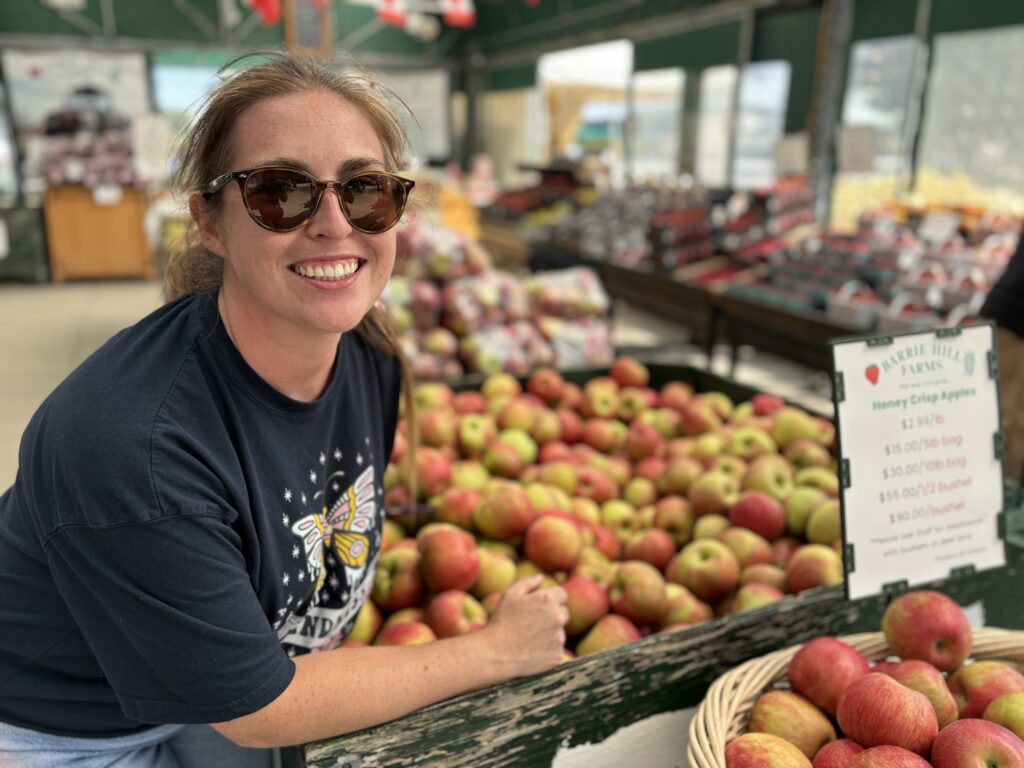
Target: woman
{"x":199,"y":505}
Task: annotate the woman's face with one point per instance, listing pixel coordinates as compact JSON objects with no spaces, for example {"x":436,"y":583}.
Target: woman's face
{"x":264,"y":287}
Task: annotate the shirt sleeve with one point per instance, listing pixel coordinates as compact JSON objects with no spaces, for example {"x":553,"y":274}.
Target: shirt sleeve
{"x":167,"y":607}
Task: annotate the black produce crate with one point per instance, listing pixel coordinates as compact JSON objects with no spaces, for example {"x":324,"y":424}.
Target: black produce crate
{"x":525,"y":722}
{"x":26,"y":259}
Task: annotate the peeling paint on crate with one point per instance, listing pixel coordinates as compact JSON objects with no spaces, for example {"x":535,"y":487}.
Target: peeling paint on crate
{"x":525,"y":722}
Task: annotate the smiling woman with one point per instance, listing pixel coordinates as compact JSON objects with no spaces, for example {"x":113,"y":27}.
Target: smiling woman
{"x":200,"y":505}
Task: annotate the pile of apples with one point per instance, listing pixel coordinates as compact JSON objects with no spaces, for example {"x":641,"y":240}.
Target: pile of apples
{"x":928,"y":705}
{"x":654,"y":509}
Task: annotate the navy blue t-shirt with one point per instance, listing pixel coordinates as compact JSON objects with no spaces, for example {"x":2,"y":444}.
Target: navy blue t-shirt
{"x":178,"y":529}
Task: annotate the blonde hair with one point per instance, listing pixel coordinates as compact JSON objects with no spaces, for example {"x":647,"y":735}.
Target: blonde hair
{"x":206,"y":149}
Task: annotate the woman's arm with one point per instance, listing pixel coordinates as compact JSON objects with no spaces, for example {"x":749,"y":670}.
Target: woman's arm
{"x":347,"y":689}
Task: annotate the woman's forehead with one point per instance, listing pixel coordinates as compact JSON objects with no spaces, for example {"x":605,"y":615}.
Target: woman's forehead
{"x":305,"y":125}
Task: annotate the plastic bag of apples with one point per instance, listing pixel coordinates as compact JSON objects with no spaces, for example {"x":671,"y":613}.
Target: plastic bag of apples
{"x":926,"y":691}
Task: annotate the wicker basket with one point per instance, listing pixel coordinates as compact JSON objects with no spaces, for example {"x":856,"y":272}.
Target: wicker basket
{"x":723,"y":714}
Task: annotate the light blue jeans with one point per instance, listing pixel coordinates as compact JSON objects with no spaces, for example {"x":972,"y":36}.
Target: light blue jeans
{"x":164,"y":746}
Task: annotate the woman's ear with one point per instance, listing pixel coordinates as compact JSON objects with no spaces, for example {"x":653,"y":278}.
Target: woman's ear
{"x":208,"y":234}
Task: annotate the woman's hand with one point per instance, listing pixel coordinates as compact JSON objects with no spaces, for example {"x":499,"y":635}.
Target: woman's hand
{"x":527,"y":630}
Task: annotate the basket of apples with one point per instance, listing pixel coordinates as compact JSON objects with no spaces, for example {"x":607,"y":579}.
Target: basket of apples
{"x":928,"y":690}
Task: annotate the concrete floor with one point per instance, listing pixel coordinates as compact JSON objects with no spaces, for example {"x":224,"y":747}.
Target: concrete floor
{"x":47,"y":330}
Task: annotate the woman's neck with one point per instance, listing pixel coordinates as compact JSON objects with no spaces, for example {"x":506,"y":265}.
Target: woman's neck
{"x":298,"y":367}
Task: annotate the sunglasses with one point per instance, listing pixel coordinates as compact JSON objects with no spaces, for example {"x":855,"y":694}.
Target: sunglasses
{"x":282,"y":199}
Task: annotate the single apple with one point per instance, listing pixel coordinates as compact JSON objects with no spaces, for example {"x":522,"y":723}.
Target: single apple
{"x":449,"y":559}
{"x":824,"y":478}
{"x":750,"y":442}
{"x":764,"y":573}
{"x":763,"y":750}
{"x":749,"y":547}
{"x":926,"y":679}
{"x":707,"y":567}
{"x":752,"y":596}
{"x":504,"y":514}
{"x":547,"y":384}
{"x":929,"y":626}
{"x":684,"y":607}
{"x":759,"y":512}
{"x":710,"y":526}
{"x":398,"y":582}
{"x":887,"y":757}
{"x":1008,"y":711}
{"x":972,"y":743}
{"x":406,"y":633}
{"x":587,"y":601}
{"x":680,"y":473}
{"x":975,"y":686}
{"x":454,"y":612}
{"x":651,"y":545}
{"x":823,"y":668}
{"x":674,"y":515}
{"x":553,"y":543}
{"x":638,"y":592}
{"x":367,"y":625}
{"x":838,"y":754}
{"x":772,"y":474}
{"x":800,"y":503}
{"x":791,"y":424}
{"x":807,"y":453}
{"x":791,"y":717}
{"x":629,"y":372}
{"x":610,"y":631}
{"x":713,"y":493}
{"x":813,"y":565}
{"x":825,"y":525}
{"x":875,"y":710}
{"x":457,"y":505}
{"x":497,"y":573}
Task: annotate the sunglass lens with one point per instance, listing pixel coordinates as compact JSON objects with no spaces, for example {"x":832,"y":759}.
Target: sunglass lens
{"x":279,"y":198}
{"x":373,"y":202}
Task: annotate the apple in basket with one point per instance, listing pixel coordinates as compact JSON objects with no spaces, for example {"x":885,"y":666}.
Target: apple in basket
{"x":930,"y":626}
{"x":756,"y":750}
{"x":1007,"y":711}
{"x":793,"y":718}
{"x":876,"y":710}
{"x":887,"y":756}
{"x":977,"y":685}
{"x":838,"y":754}
{"x":977,"y":744}
{"x":823,"y":669}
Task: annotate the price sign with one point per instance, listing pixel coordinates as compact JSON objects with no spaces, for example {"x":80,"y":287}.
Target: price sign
{"x":918,"y":423}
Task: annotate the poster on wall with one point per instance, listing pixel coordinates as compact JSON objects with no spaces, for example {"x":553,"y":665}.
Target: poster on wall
{"x":72,"y":111}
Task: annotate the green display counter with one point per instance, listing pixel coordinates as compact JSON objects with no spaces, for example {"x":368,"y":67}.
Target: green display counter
{"x":24,"y":259}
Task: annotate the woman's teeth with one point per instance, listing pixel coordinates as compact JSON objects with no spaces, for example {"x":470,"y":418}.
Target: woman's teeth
{"x":328,"y":272}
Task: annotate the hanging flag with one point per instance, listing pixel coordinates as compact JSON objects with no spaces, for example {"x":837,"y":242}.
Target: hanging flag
{"x":392,"y":12}
{"x":269,"y":11}
{"x":458,"y":13}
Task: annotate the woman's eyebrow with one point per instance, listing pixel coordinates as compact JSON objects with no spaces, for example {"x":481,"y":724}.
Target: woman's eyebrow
{"x":346,"y":168}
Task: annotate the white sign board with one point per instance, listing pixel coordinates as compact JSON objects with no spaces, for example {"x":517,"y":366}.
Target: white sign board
{"x":855,"y":149}
{"x":791,"y":153}
{"x":918,"y":419}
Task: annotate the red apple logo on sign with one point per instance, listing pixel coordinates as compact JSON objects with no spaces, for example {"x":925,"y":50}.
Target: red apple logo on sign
{"x":872,"y":373}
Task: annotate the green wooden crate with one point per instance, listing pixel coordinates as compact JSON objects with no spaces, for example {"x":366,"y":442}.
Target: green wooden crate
{"x":525,"y":722}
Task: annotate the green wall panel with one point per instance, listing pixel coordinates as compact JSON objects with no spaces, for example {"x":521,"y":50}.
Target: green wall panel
{"x":30,"y":18}
{"x":510,"y":25}
{"x":791,"y":36}
{"x":697,"y":49}
{"x":960,"y":15}
{"x":511,"y":78}
{"x":873,"y":19}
